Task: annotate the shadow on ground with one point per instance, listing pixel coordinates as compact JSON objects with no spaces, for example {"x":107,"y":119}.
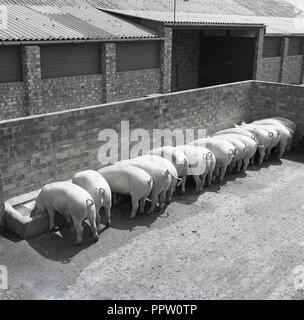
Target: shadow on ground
{"x":59,"y":245}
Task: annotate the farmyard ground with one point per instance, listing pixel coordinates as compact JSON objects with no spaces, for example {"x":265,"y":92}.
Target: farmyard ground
{"x":243,"y":241}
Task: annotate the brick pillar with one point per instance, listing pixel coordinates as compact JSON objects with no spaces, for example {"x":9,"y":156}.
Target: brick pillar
{"x":284,"y":53}
{"x":108,"y":63}
{"x":166,"y":61}
{"x":258,"y":57}
{"x":32,"y":79}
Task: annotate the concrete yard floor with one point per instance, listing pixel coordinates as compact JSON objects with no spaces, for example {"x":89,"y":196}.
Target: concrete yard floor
{"x":244,"y":240}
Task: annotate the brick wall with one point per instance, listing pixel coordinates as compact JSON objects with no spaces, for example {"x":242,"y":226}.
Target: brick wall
{"x":37,"y":96}
{"x":283,"y":69}
{"x":270,"y":70}
{"x":185,"y":59}
{"x":40,"y":149}
{"x":12,"y":100}
{"x":74,"y":92}
{"x":137,"y":84}
{"x":292,"y":73}
{"x":273,"y":99}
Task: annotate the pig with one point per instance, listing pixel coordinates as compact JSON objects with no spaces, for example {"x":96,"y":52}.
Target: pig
{"x":129,"y":180}
{"x":286,"y":138}
{"x":178,"y":159}
{"x":285,"y":134}
{"x":251,"y":147}
{"x":223,"y":151}
{"x":241,"y":131}
{"x":242,"y":152}
{"x":99,"y":189}
{"x":288,"y":123}
{"x":175,"y":181}
{"x":275,"y":140}
{"x":70,"y":200}
{"x":199,"y":164}
{"x":161,"y":179}
{"x":264,"y":137}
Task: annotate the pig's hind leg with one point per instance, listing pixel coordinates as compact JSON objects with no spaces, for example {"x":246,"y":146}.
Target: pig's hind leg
{"x":135,"y":205}
{"x":92,"y":220}
{"x":79,"y":230}
{"x":51,"y":213}
{"x":154,"y":198}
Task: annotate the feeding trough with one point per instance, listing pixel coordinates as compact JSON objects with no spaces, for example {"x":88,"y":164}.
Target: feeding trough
{"x":22,"y":220}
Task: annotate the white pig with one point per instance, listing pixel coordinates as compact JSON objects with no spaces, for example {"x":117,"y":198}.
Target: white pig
{"x":129,"y":180}
{"x":285,"y":134}
{"x":161,"y":179}
{"x":223,"y":151}
{"x":99,"y":189}
{"x":70,"y":200}
{"x":251,"y":147}
{"x":241,"y":131}
{"x":287,"y":122}
{"x":178,"y":159}
{"x":199,"y":164}
{"x":263,"y":135}
{"x":242,"y":152}
{"x":175,"y":181}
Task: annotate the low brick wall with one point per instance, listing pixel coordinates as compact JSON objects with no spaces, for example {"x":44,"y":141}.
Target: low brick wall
{"x":40,"y":149}
{"x":271,"y":68}
{"x":274,"y":99}
{"x":67,"y":93}
{"x":293,"y":70}
{"x":12,"y":100}
{"x":137,"y":84}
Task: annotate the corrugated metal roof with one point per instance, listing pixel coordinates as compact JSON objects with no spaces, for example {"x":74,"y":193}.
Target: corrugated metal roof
{"x":190,"y":18}
{"x":50,"y":3}
{"x":37,"y":23}
{"x":279,"y":16}
{"x":275,"y":8}
{"x":274,"y":25}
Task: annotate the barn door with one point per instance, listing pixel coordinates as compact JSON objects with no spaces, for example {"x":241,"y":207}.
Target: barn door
{"x":226,"y":59}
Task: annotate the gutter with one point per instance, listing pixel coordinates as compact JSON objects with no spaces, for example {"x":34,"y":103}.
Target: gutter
{"x":213,"y":25}
{"x":284,"y":35}
{"x":36,"y":42}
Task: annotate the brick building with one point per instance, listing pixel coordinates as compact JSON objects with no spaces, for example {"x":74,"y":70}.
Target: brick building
{"x":218,"y":41}
{"x":63,"y":54}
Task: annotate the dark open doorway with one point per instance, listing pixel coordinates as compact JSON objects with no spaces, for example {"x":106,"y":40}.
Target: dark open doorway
{"x":225,"y":59}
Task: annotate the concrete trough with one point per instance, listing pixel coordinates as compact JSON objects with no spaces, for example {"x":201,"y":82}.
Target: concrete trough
{"x":20,"y":219}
